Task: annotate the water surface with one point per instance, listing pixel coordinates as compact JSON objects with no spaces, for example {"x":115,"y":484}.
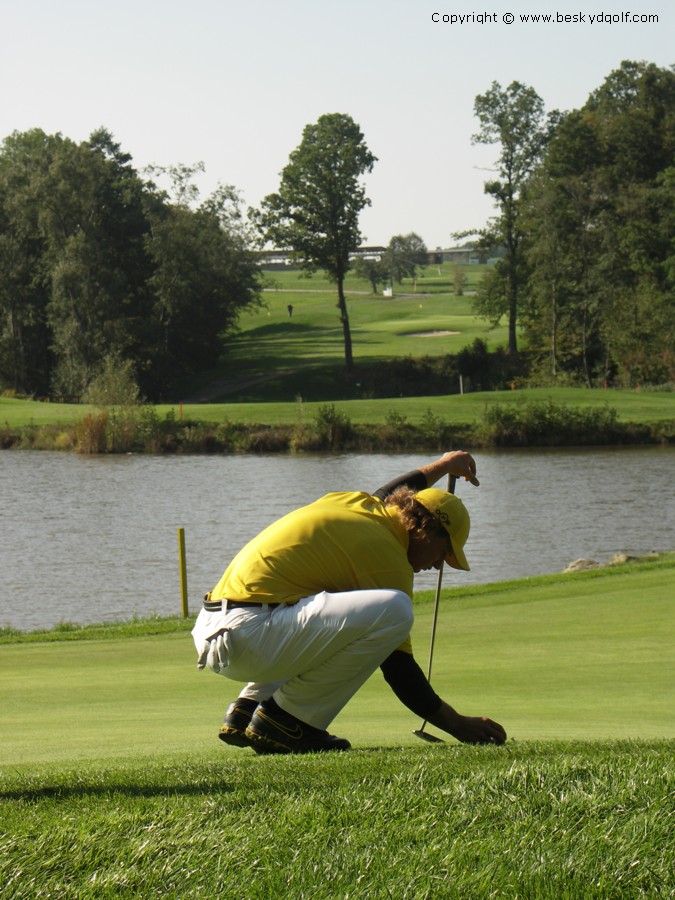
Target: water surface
{"x":92,"y":539}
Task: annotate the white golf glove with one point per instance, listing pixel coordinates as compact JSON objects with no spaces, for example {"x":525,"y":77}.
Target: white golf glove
{"x":214,"y":653}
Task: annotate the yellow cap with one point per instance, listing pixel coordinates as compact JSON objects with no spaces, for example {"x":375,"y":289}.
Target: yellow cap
{"x":454,"y":517}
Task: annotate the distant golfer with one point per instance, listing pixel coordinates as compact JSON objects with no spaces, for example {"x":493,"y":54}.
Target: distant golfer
{"x":290,"y":310}
{"x":309,"y":608}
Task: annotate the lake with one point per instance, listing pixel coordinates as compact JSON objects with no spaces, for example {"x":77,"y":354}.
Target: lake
{"x":94,"y":539}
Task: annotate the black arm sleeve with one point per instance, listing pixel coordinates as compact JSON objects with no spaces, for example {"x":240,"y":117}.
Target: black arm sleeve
{"x":408,"y":682}
{"x":414,"y":480}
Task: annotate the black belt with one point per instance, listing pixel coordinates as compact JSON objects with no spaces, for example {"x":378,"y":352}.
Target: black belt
{"x":217,"y":605}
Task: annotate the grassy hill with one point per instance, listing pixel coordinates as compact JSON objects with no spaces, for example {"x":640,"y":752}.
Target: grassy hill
{"x":275,"y":354}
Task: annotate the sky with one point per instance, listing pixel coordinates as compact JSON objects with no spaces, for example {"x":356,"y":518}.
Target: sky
{"x":232,"y":84}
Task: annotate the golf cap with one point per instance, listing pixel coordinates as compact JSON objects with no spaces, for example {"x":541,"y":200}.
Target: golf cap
{"x":454,"y":517}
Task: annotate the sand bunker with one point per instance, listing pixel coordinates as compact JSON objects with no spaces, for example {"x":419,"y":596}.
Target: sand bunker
{"x":428,"y":333}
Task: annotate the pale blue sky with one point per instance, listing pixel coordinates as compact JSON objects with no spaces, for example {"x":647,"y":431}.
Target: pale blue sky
{"x":234,"y":83}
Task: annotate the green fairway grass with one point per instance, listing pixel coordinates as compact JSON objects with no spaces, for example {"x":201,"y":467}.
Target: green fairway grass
{"x":631,"y":406}
{"x":113,"y":783}
{"x":583,"y":656}
{"x":270,"y":344}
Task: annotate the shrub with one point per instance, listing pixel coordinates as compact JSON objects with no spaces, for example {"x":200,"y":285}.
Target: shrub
{"x":114,"y":385}
{"x":91,"y":433}
{"x":333,"y":426}
{"x":545,"y":423}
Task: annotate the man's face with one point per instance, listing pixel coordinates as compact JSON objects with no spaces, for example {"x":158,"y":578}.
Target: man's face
{"x":428,"y":551}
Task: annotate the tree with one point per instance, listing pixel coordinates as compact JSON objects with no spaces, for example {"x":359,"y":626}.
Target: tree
{"x":25,"y":353}
{"x":316,"y":210}
{"x":514,"y":118}
{"x":204,"y":274}
{"x":598,"y":216}
{"x":405,"y":254}
{"x":372,"y":270}
{"x":97,"y":264}
{"x":94,"y":219}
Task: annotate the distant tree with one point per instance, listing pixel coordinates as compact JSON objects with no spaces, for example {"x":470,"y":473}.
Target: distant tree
{"x":25,"y":351}
{"x":405,"y":254}
{"x":459,"y":280}
{"x":316,"y":210}
{"x":372,"y":270}
{"x":514,"y":118}
{"x":74,"y":216}
{"x":99,"y":265}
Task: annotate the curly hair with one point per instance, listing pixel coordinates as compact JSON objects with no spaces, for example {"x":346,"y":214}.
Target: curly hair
{"x":417,"y":520}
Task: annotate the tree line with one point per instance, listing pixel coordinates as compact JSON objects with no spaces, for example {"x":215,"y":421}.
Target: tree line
{"x":585,"y":216}
{"x":103,"y":271}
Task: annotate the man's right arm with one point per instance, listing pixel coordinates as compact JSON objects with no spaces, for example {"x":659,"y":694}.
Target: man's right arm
{"x":455,"y":462}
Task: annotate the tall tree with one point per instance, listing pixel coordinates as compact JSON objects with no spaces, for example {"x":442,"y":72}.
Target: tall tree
{"x":315,"y":212}
{"x":204,"y":275}
{"x":514,"y":118}
{"x":92,"y":213}
{"x":599,"y":217}
{"x":25,"y":342}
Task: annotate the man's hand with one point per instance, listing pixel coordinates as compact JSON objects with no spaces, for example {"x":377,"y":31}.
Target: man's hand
{"x":214,"y":653}
{"x":468,"y":729}
{"x":459,"y":463}
{"x":478,"y":730}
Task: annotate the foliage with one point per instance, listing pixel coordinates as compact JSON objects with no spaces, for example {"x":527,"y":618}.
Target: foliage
{"x":514,"y":118}
{"x":97,"y":263}
{"x":374,"y":271}
{"x":316,"y":210}
{"x":484,"y":371}
{"x":114,"y":385}
{"x":536,"y":424}
{"x":599,"y":212}
{"x":406,"y":253}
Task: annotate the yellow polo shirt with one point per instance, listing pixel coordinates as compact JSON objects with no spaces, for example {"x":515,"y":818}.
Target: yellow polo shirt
{"x":342,"y":542}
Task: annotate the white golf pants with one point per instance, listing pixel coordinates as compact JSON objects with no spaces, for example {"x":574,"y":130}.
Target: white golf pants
{"x":314,"y":655}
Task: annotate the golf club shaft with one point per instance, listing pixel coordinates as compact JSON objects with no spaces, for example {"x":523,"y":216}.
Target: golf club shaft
{"x":452,"y":483}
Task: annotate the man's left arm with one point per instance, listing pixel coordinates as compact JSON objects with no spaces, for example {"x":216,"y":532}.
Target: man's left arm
{"x":407,"y":680}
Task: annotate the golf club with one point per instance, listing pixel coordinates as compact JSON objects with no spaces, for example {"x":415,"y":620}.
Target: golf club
{"x":420,"y":732}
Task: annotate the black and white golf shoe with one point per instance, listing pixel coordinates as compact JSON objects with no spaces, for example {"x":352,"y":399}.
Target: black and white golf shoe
{"x":272,"y":730}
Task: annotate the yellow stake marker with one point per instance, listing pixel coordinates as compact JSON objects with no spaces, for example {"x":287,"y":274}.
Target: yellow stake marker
{"x":183,"y":572}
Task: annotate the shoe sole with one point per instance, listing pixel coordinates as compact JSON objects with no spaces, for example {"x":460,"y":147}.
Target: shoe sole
{"x":233,"y":737}
{"x":264,"y":745}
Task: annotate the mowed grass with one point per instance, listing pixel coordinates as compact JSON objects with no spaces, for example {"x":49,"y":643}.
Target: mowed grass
{"x":306,"y":351}
{"x":114,"y":784}
{"x":536,"y":821}
{"x":310,"y":344}
{"x":630,"y":405}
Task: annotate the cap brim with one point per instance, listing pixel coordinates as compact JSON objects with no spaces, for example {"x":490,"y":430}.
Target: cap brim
{"x":458,"y":561}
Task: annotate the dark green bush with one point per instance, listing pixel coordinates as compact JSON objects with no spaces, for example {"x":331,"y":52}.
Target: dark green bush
{"x":545,"y":423}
